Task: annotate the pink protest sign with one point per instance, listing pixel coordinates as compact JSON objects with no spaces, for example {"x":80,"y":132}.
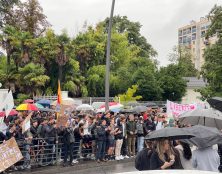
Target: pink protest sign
{"x":176,"y":109}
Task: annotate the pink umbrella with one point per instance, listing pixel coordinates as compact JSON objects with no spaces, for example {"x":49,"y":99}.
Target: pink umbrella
{"x":28,"y":101}
{"x":110,"y":104}
{"x":12,"y":113}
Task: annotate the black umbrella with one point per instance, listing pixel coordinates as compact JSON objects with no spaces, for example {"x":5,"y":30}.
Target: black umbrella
{"x":169,"y":133}
{"x":206,"y":117}
{"x":216,"y":103}
{"x":204,"y":136}
{"x":126,"y":111}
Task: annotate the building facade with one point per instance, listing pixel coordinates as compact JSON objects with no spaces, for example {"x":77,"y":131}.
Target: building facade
{"x":193,"y":37}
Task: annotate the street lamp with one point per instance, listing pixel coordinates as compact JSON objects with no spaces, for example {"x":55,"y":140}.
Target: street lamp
{"x":108,"y":58}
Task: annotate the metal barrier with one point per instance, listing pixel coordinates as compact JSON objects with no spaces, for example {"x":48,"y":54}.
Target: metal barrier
{"x":42,"y":152}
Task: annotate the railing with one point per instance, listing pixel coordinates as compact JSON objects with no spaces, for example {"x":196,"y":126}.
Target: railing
{"x":41,"y":152}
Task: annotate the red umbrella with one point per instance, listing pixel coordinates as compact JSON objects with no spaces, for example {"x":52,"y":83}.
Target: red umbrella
{"x":110,"y":104}
{"x":12,"y":112}
{"x":29,"y":101}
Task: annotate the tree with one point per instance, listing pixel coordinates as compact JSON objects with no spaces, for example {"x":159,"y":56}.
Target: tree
{"x":182,"y":56}
{"x":7,"y":15}
{"x":130,"y":95}
{"x":212,"y":68}
{"x":215,"y":16}
{"x":31,"y":17}
{"x":32,"y":78}
{"x":171,"y":82}
{"x":121,"y":24}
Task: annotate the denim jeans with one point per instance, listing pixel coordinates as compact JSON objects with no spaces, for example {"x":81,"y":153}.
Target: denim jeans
{"x":101,"y":147}
{"x":140,"y":143}
{"x":68,"y":151}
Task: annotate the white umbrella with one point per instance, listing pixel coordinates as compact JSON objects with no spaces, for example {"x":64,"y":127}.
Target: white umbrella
{"x":65,"y":101}
{"x":84,"y":107}
{"x":206,"y":117}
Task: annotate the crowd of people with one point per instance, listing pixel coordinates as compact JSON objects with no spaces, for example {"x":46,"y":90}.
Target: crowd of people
{"x":105,"y":136}
{"x":98,"y":136}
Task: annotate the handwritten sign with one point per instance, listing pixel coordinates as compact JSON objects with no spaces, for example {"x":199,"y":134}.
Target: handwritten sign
{"x":62,"y":120}
{"x":176,"y":109}
{"x":9,"y":154}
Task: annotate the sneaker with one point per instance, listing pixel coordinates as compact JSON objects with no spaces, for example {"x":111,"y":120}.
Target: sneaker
{"x":117,"y":158}
{"x":121,"y":157}
{"x":126,"y":157}
{"x":75,"y":161}
{"x":98,"y":161}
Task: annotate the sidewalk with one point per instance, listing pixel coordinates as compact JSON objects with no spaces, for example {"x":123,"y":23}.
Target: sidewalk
{"x":77,"y":167}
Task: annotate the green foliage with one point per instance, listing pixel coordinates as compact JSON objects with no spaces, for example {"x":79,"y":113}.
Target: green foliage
{"x":20,"y":98}
{"x":172,"y":83}
{"x":212,"y":68}
{"x":215,"y":16}
{"x":32,"y":78}
{"x":182,"y":56}
{"x":129,"y":95}
{"x":37,"y":57}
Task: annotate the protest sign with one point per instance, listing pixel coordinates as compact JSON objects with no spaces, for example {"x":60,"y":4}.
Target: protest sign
{"x":8,"y":103}
{"x":9,"y":154}
{"x":176,"y":109}
{"x":26,"y":123}
{"x":63,"y":117}
{"x":62,"y":120}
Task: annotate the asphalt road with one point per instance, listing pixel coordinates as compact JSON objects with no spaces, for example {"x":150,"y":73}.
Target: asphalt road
{"x":90,"y":167}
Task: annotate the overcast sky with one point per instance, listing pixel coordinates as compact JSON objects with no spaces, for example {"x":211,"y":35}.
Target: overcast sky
{"x":160,"y":18}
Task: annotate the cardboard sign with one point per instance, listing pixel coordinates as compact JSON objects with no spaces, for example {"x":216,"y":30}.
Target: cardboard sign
{"x":9,"y":154}
{"x":62,"y":120}
{"x":26,"y":123}
{"x":176,"y":109}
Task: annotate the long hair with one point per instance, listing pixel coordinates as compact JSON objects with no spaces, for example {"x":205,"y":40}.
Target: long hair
{"x":186,"y":150}
{"x":160,"y":149}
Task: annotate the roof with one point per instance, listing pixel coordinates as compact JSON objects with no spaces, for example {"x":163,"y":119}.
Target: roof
{"x":194,"y":82}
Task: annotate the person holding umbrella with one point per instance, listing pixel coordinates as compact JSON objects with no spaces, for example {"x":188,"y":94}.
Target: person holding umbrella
{"x":164,"y":156}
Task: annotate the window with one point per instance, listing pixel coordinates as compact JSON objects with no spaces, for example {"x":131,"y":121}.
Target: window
{"x":194,"y":29}
{"x":184,"y":39}
{"x":189,"y":40}
{"x":203,"y":33}
{"x":193,"y":36}
{"x":180,"y":40}
{"x":188,"y":30}
{"x":180,"y":32}
{"x":184,"y":31}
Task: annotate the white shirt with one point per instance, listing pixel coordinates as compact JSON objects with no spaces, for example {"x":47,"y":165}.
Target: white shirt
{"x":187,"y":164}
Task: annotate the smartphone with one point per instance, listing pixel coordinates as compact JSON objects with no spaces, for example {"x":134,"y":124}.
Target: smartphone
{"x":172,"y":161}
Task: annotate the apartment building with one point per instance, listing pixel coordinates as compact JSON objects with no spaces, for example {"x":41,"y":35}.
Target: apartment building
{"x":193,"y":37}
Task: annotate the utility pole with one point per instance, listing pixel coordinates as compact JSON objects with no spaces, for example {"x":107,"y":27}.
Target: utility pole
{"x":108,"y":58}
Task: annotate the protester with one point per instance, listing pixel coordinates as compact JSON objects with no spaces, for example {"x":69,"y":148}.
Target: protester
{"x":131,"y":135}
{"x":68,"y":141}
{"x":140,"y":133}
{"x":164,"y":156}
{"x":206,"y":159}
{"x":119,"y":134}
{"x":185,"y":154}
{"x":101,"y":131}
{"x":142,"y":160}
